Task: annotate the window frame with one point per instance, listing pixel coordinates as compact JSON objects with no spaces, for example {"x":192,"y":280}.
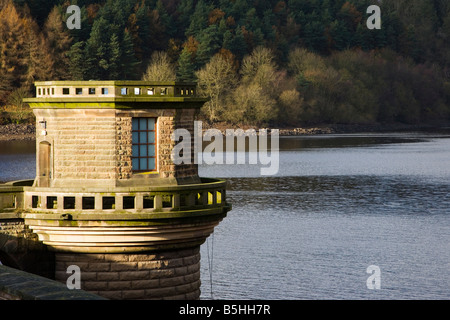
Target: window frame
{"x":153,"y":144}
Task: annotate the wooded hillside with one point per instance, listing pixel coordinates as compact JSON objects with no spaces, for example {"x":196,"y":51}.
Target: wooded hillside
{"x":261,"y":62}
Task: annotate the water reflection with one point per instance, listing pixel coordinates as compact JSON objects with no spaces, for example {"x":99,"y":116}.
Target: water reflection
{"x":344,"y":141}
{"x":341,"y":195}
{"x":338,"y":205}
{"x":17,"y":160}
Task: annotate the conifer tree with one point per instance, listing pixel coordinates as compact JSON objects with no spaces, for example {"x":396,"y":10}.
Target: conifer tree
{"x":78,"y":62}
{"x":129,"y":63}
{"x":114,"y":57}
{"x":12,"y":41}
{"x":186,"y":67}
{"x":38,"y":59}
{"x":59,"y":41}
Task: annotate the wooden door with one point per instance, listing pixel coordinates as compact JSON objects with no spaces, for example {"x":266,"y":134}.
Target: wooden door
{"x":44,"y":164}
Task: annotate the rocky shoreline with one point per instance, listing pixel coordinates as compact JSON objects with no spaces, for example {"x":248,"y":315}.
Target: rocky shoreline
{"x":12,"y":132}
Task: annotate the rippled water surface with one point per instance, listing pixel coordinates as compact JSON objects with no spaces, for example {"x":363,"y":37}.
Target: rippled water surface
{"x":338,"y":204}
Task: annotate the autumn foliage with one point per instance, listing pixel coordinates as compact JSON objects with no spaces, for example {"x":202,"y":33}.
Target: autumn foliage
{"x":260,"y":62}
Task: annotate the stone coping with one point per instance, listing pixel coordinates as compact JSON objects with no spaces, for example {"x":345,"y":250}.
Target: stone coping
{"x":206,"y":183}
{"x":19,"y":285}
{"x":113,"y":83}
{"x":111,"y":102}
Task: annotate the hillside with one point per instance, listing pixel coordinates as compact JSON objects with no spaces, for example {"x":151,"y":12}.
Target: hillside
{"x":261,"y":62}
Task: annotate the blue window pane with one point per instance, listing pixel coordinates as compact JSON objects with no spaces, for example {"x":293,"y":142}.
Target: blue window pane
{"x":135,"y":151}
{"x":151,"y":124}
{"x":143,"y":150}
{"x":151,"y":150}
{"x":135,"y":164}
{"x":151,"y":137}
{"x":151,"y":164}
{"x":143,"y":124}
{"x":135,"y":124}
{"x":143,"y":137}
{"x":143,"y":164}
{"x":135,"y":137}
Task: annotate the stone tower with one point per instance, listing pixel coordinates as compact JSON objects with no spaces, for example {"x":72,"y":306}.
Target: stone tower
{"x":108,"y":198}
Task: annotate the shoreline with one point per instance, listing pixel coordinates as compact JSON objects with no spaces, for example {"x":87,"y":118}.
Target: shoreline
{"x":17,"y":132}
{"x":27,"y":132}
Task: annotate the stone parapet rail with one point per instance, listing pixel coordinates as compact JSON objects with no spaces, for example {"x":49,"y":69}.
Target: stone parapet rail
{"x":19,"y":285}
{"x":121,"y":219}
{"x":208,"y":194}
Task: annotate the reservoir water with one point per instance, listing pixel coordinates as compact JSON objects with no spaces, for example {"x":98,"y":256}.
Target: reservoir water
{"x":339,"y":204}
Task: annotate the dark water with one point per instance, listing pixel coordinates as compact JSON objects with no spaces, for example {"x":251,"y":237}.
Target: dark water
{"x":17,"y":160}
{"x":338,"y":204}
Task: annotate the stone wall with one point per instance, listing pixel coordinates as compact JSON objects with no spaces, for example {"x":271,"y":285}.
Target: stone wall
{"x":83,"y":145}
{"x":95,"y":144}
{"x":185,"y":119}
{"x":20,"y":247}
{"x":124,"y":147}
{"x":167,"y":122}
{"x":166,"y":126}
{"x":161,"y":275}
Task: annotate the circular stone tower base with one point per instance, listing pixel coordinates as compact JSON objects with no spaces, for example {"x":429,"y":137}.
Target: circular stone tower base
{"x":152,"y":275}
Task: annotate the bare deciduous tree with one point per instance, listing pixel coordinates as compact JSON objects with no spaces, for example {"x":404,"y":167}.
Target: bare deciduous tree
{"x":215,"y":81}
{"x":160,"y":68}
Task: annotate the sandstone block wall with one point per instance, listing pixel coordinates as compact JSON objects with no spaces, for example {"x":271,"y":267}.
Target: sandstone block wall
{"x":161,"y":275}
{"x":20,"y":248}
{"x":96,"y":144}
{"x":83,"y":144}
{"x":185,"y":119}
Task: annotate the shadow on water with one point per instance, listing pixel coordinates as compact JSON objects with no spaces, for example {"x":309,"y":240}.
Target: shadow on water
{"x":342,"y":141}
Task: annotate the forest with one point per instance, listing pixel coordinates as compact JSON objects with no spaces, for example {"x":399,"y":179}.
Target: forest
{"x":259,"y":62}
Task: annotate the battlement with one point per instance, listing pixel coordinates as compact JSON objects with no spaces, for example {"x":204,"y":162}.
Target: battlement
{"x":114,"y":89}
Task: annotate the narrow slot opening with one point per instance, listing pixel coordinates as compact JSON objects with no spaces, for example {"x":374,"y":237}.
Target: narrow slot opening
{"x":34,"y":201}
{"x":148,"y":202}
{"x":109,"y":203}
{"x":219,"y":197}
{"x":52,"y":202}
{"x":69,"y":202}
{"x":210,"y":198}
{"x":183,"y":200}
{"x":199,"y":199}
{"x":88,"y":203}
{"x":167,"y":201}
{"x":128,"y":202}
